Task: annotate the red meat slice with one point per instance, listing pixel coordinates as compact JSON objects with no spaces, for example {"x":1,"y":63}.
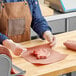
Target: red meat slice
{"x":41,"y":54}
{"x":70,"y":44}
{"x":52,"y":58}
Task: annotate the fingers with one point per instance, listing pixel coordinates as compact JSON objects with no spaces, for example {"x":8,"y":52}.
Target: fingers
{"x":50,"y":38}
{"x":23,"y":52}
{"x":18,"y":51}
{"x":53,"y":42}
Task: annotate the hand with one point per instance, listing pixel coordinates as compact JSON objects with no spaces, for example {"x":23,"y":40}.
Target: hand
{"x":41,"y":54}
{"x":50,"y":38}
{"x":16,"y":48}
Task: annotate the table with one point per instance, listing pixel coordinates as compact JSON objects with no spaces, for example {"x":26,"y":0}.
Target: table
{"x":65,"y":66}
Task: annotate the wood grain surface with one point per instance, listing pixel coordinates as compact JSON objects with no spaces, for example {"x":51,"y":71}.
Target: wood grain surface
{"x":65,"y":66}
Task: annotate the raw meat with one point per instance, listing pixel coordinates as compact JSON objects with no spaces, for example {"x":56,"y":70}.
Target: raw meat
{"x":70,"y":44}
{"x":41,"y":54}
{"x":52,"y":58}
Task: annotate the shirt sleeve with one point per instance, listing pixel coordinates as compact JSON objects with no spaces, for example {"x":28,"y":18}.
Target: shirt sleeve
{"x":2,"y":38}
{"x":39,"y":24}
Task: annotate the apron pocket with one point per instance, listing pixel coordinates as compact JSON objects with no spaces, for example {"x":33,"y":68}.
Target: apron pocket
{"x":16,"y":26}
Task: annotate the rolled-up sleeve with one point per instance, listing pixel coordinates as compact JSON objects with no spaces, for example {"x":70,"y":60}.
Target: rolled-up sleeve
{"x":2,"y":38}
{"x":39,"y":24}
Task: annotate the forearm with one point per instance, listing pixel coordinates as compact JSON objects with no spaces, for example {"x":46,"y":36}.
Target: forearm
{"x":8,"y":43}
{"x":40,"y":26}
{"x":16,"y":48}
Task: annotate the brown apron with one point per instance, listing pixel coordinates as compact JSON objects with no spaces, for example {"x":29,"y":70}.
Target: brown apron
{"x":15,"y":21}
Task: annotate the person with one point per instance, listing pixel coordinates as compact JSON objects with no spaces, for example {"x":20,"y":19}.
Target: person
{"x":39,"y":25}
